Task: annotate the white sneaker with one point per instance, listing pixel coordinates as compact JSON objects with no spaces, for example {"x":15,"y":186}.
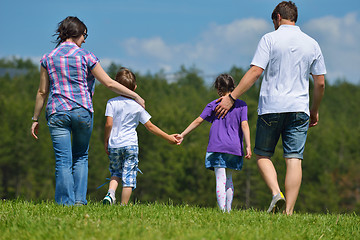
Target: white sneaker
{"x":277,"y":203}
{"x":108,"y":200}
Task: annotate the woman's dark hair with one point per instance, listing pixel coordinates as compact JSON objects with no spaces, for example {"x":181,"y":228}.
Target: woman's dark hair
{"x":70,"y":27}
{"x":224,"y":83}
{"x":287,"y":10}
{"x":127,"y":78}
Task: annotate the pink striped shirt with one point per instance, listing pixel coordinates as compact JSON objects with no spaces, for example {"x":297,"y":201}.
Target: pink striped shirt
{"x":72,"y":84}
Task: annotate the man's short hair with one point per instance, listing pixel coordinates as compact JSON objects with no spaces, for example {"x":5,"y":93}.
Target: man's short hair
{"x":287,"y":10}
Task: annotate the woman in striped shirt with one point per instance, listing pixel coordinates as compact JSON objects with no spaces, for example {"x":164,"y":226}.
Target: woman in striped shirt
{"x":67,"y":79}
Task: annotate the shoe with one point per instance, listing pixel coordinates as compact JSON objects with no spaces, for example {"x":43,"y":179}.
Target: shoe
{"x":108,"y":200}
{"x":277,"y":203}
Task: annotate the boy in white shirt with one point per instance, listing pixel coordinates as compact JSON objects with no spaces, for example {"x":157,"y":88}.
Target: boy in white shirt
{"x":123,"y":115}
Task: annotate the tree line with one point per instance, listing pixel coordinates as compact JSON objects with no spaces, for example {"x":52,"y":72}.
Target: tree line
{"x":331,"y":182}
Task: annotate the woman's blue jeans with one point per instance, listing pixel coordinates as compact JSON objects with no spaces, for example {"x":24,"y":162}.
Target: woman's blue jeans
{"x":71,"y":154}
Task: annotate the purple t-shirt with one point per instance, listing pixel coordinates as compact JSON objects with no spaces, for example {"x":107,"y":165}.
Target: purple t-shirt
{"x":225,"y":133}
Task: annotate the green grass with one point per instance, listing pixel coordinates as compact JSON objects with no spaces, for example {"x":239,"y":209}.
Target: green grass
{"x":46,"y":220}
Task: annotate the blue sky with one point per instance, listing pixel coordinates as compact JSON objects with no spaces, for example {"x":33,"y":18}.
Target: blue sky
{"x":212,"y":35}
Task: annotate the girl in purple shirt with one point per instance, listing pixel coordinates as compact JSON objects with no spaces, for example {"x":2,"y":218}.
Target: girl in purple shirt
{"x":225,"y":149}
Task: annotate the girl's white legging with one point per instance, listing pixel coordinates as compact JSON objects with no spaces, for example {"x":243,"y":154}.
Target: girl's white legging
{"x":224,"y":188}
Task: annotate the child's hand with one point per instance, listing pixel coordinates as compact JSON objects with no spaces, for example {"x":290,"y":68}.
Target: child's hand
{"x":248,"y":153}
{"x":174,"y":139}
{"x":180,"y":138}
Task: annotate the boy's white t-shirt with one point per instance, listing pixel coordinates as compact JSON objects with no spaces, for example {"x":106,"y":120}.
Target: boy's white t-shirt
{"x":126,"y":114}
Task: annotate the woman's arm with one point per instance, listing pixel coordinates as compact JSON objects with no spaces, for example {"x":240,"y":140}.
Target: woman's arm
{"x":108,"y":127}
{"x":114,"y":86}
{"x":158,"y":132}
{"x":246,"y":130}
{"x":41,"y":95}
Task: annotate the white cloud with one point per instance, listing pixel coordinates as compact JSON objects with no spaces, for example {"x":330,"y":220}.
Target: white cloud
{"x":153,"y":47}
{"x":216,"y":50}
{"x":231,"y":42}
{"x":220,"y":47}
{"x":339,"y":42}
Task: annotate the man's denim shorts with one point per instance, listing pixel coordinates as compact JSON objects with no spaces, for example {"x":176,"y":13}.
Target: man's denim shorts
{"x":292,"y":127}
{"x":124,"y":164}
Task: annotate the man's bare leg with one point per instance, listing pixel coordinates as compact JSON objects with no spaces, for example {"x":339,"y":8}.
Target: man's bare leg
{"x":268,"y":172}
{"x":292,"y":183}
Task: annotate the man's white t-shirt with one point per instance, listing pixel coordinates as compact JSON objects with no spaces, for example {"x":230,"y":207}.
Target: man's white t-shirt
{"x":288,"y":56}
{"x":126,"y":114}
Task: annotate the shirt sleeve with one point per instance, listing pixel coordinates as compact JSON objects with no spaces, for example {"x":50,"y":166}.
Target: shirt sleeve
{"x":207,"y":113}
{"x":91,"y":60}
{"x":262,"y":53}
{"x":244,"y":110}
{"x":43,"y":61}
{"x":318,"y":66}
{"x":109,"y":112}
{"x":144,"y":116}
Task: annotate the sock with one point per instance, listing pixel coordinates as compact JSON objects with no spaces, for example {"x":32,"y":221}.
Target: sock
{"x":220,"y":175}
{"x":112,"y":193}
{"x":229,"y":189}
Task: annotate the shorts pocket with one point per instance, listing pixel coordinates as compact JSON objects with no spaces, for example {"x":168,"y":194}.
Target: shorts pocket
{"x":270,"y":119}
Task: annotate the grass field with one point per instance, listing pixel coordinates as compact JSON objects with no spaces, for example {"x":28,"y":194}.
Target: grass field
{"x":46,"y":220}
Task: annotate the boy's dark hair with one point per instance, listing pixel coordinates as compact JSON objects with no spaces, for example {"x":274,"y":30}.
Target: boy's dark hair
{"x":70,"y":27}
{"x":287,"y":10}
{"x":224,"y":83}
{"x":127,"y":78}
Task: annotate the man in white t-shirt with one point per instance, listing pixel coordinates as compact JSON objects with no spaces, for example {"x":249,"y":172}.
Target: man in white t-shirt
{"x":288,"y":57}
{"x":123,"y":115}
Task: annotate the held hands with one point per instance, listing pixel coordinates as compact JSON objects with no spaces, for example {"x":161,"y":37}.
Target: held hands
{"x":180,"y":138}
{"x":175,"y":139}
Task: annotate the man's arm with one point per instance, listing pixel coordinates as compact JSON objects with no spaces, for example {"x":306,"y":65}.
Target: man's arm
{"x":319,"y":89}
{"x":246,"y":82}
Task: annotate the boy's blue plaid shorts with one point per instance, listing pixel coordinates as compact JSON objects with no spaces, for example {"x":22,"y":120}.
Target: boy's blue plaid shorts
{"x":124,"y":164}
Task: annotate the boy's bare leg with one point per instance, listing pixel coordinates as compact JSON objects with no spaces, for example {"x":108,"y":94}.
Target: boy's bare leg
{"x":292,"y":183}
{"x":125,"y":195}
{"x":268,"y":172}
{"x":110,"y":195}
{"x":114,"y":182}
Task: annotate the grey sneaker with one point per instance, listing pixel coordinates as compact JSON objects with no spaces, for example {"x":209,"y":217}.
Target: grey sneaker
{"x":277,"y":203}
{"x":108,"y":200}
